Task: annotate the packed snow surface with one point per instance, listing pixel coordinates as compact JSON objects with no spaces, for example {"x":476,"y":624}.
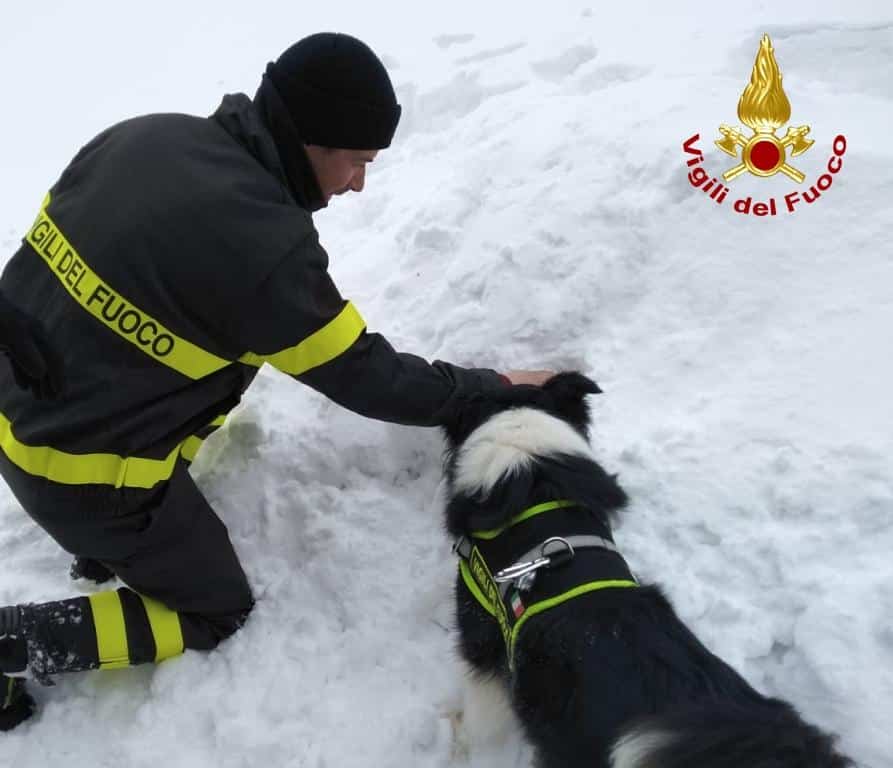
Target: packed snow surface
{"x":533,"y":211}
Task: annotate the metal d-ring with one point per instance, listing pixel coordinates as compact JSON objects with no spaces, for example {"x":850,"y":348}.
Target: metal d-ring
{"x":567,"y":544}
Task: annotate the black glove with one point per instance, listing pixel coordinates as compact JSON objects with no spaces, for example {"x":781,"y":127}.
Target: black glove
{"x":34,"y":364}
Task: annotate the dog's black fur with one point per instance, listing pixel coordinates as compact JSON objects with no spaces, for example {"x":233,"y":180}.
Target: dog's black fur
{"x":613,"y":663}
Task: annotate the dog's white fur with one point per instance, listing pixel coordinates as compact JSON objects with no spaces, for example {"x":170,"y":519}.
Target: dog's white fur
{"x":487,"y":725}
{"x":510,"y":440}
{"x":634,"y":750}
{"x":488,"y":721}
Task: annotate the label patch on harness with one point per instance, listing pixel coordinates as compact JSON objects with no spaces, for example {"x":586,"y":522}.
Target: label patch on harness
{"x":483,"y":578}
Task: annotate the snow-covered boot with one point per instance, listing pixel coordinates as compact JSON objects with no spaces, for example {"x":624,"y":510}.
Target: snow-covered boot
{"x":103,"y":631}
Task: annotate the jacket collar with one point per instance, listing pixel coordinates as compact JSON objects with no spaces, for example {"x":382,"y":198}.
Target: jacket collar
{"x":265,"y":129}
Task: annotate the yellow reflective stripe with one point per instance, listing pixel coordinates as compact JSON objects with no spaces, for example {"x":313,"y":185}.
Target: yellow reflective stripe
{"x":522,"y":516}
{"x":111,"y":634}
{"x":190,"y":447}
{"x":475,"y":589}
{"x":130,"y":322}
{"x":151,"y":337}
{"x":192,"y":444}
{"x":320,"y":347}
{"x":83,"y":468}
{"x":166,"y":629}
{"x":545,"y":605}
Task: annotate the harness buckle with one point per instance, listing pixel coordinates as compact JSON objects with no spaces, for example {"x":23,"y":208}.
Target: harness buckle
{"x":525,"y":583}
{"x":518,"y":570}
{"x":524,"y":573}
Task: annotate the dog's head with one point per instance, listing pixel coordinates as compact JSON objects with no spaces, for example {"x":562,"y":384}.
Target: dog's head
{"x":501,"y":445}
{"x":563,"y":396}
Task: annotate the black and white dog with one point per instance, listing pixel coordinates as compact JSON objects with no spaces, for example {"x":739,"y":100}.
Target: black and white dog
{"x":598,"y":669}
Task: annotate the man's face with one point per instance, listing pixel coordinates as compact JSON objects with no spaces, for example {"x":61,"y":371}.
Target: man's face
{"x":339,"y":170}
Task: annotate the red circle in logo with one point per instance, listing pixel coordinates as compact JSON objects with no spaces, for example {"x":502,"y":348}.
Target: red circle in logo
{"x":765,"y":155}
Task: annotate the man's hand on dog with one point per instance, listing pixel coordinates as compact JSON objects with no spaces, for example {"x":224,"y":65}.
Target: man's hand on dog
{"x":536,"y":378}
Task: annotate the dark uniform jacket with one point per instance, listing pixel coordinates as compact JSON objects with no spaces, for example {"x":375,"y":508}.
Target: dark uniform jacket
{"x":172,"y":258}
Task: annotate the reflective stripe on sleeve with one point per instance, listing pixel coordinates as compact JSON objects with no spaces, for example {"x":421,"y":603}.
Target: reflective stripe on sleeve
{"x":320,"y":347}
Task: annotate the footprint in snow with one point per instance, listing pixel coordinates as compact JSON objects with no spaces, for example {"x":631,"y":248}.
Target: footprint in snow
{"x":492,"y":53}
{"x":434,"y":240}
{"x":610,"y":74}
{"x":445,"y":41}
{"x":565,"y":64}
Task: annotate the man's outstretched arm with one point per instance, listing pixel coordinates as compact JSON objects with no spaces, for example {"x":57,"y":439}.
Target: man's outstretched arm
{"x":299,"y":310}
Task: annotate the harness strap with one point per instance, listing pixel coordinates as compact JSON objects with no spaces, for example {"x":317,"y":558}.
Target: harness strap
{"x":522,"y":516}
{"x":479,"y":581}
{"x":576,"y":542}
{"x":509,"y":611}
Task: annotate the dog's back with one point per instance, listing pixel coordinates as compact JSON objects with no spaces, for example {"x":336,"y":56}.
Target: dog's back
{"x":618,"y":681}
{"x":611,"y":678}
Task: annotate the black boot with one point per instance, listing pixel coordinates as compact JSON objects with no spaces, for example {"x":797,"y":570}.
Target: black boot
{"x":13,"y":648}
{"x":16,"y":705}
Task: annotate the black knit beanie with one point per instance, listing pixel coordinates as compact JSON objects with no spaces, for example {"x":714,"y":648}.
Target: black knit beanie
{"x":337,"y":92}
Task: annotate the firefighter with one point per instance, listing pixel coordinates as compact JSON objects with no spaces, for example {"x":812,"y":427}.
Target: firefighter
{"x":173,"y":257}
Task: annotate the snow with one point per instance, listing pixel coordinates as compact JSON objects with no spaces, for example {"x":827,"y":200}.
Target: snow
{"x":534,"y":211}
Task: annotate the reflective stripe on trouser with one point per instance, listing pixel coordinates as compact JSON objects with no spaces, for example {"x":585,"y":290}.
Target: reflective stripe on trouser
{"x":103,"y":631}
{"x":166,"y":543}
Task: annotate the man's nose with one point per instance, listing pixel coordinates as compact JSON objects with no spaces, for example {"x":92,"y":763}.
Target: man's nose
{"x":358,"y":181}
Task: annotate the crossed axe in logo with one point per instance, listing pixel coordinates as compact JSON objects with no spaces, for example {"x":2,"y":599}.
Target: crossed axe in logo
{"x":764,"y":153}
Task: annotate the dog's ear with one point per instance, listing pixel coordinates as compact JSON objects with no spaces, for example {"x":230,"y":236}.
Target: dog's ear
{"x":571,"y":384}
{"x":568,"y":393}
{"x":468,"y":414}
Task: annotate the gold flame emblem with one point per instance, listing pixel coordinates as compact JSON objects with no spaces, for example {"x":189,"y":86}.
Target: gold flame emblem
{"x":764,"y":108}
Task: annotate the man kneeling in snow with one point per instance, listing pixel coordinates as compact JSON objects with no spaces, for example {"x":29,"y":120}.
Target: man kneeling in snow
{"x":173,"y":257}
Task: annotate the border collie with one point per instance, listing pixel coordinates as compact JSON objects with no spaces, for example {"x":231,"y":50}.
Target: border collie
{"x":598,"y":669}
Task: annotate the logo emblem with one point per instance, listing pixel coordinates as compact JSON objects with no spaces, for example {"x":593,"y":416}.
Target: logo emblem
{"x":764,"y":108}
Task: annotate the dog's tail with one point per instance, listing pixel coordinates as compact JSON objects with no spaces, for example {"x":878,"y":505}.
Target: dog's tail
{"x":724,"y":735}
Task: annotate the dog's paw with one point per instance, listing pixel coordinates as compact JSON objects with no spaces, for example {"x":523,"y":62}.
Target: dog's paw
{"x":487,"y":719}
{"x":459,"y":749}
